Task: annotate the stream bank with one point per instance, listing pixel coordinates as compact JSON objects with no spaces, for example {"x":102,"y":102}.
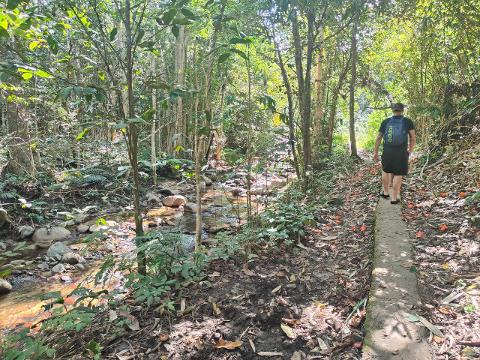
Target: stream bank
{"x":92,"y":235}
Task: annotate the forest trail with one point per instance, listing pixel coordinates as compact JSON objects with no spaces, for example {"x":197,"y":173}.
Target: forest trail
{"x":394,"y":293}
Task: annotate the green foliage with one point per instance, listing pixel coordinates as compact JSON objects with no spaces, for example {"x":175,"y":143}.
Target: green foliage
{"x":21,"y":346}
{"x":76,"y":319}
{"x":288,"y":222}
{"x":232,"y":156}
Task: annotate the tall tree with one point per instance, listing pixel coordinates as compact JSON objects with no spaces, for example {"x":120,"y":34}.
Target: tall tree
{"x":353,"y":79}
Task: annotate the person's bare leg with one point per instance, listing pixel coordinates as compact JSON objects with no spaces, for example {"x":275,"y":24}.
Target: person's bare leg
{"x":385,"y":182}
{"x":391,"y":180}
{"x":397,"y":184}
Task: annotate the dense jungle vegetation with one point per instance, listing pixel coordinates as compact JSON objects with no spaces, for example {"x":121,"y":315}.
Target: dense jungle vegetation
{"x":184,"y":178}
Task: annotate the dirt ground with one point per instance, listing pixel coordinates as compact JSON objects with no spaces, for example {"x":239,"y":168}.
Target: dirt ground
{"x":440,"y":208}
{"x":289,"y":303}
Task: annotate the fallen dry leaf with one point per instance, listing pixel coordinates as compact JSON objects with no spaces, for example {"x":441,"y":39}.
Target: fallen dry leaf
{"x":288,"y":331}
{"x":276,"y":289}
{"x":420,"y":234}
{"x":252,"y":345}
{"x":229,"y":345}
{"x":163,"y":337}
{"x":269,"y":353}
{"x":443,"y":227}
{"x":216,"y":309}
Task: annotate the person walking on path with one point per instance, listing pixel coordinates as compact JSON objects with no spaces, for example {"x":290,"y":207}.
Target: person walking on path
{"x":398,"y":135}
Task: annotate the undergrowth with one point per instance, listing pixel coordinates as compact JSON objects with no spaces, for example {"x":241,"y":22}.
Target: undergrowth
{"x":172,"y":266}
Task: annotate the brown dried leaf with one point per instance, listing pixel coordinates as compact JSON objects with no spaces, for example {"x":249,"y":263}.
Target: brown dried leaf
{"x":229,"y":345}
{"x":288,"y":331}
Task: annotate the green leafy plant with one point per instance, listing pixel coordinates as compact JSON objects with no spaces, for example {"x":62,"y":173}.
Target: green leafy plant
{"x":22,"y":346}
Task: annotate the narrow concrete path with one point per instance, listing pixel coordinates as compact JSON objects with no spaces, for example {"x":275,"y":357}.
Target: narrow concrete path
{"x":394,"y":293}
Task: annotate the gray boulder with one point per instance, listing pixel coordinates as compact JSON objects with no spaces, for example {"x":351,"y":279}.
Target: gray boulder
{"x":72,"y":258}
{"x":83,"y":228}
{"x":59,"y":268}
{"x":207,"y":180}
{"x":4,"y":218}
{"x":43,"y":237}
{"x":57,"y":250}
{"x":43,"y":266}
{"x":174,"y":201}
{"x":26,"y":231}
{"x":5,"y":287}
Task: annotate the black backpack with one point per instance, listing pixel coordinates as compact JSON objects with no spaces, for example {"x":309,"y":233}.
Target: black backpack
{"x":396,"y":133}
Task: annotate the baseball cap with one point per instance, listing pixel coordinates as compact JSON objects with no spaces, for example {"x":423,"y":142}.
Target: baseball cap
{"x":398,"y":107}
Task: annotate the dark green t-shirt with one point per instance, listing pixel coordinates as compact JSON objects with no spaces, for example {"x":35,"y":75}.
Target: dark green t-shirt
{"x":409,"y":125}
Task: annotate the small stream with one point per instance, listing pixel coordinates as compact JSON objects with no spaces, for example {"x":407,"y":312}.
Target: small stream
{"x":223,"y":209}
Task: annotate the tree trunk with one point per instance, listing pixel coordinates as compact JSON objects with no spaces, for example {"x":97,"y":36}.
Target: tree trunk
{"x":219,"y":135}
{"x":318,"y":132}
{"x":353,"y":141}
{"x":304,"y":83}
{"x":153,"y":129}
{"x":21,"y":158}
{"x":291,"y":113}
{"x":333,"y":107}
{"x":132,"y":138}
{"x":180,"y":128}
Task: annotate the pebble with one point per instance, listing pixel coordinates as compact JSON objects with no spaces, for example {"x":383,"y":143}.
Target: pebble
{"x":59,"y":268}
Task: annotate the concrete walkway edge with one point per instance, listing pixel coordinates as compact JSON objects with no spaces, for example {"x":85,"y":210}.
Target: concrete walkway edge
{"x":393,"y":293}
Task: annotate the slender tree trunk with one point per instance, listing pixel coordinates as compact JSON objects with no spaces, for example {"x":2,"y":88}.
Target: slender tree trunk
{"x":304,"y":83}
{"x":219,"y":136}
{"x":153,"y":130}
{"x":132,"y":137}
{"x":318,"y":132}
{"x":21,"y":158}
{"x":333,"y":107}
{"x":198,"y":182}
{"x":291,"y":113}
{"x":180,"y":128}
{"x":249,"y":138}
{"x":353,"y":141}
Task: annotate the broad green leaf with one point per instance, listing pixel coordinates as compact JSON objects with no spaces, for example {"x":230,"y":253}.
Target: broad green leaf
{"x":181,"y":21}
{"x":27,"y":75}
{"x":82,"y":134}
{"x":175,"y":31}
{"x":33,"y":45}
{"x":140,"y":35}
{"x":187,"y":13}
{"x":237,"y":40}
{"x":53,"y":44}
{"x":168,"y":16}
{"x":43,"y":74}
{"x":3,"y":22}
{"x":12,"y":4}
{"x":113,"y":34}
{"x":222,"y":58}
{"x":148,"y":115}
{"x":240,"y":53}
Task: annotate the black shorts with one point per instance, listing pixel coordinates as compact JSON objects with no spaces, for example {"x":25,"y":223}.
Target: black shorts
{"x":395,"y":160}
